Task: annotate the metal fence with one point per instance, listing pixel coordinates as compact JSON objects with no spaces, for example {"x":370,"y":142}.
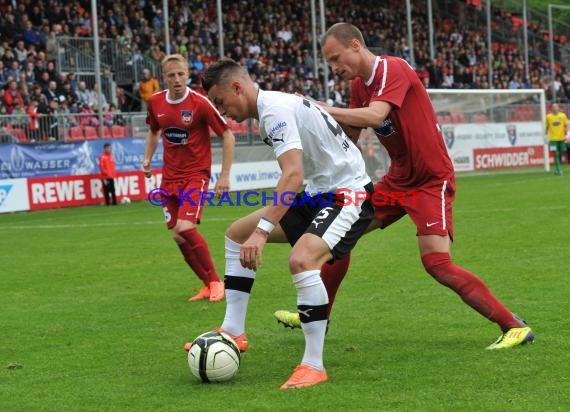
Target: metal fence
{"x":65,"y":127}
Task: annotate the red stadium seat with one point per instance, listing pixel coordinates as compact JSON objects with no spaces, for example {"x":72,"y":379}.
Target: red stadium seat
{"x":90,"y":132}
{"x":18,"y":134}
{"x":76,"y":133}
{"x":118,"y":131}
{"x":107,"y":132}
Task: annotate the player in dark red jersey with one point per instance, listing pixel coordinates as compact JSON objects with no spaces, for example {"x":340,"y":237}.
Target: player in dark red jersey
{"x":388,"y":96}
{"x":183,"y":119}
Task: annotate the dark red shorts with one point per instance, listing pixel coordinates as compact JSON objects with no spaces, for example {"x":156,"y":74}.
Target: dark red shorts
{"x":429,"y":206}
{"x":184,"y":200}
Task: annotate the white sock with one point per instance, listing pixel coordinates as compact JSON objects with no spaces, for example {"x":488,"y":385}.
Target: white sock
{"x":236,"y":300}
{"x":311,"y":292}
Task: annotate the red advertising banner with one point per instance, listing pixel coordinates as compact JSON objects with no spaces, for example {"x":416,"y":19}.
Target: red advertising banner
{"x":508,"y":157}
{"x":63,"y":191}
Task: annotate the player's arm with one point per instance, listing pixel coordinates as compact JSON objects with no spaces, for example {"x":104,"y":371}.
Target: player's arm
{"x":228,"y":144}
{"x":291,"y":164}
{"x":150,"y":146}
{"x":362,"y":117}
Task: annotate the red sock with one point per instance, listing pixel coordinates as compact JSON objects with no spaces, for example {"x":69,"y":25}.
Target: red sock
{"x":332,"y":274}
{"x":470,"y":288}
{"x":197,"y":255}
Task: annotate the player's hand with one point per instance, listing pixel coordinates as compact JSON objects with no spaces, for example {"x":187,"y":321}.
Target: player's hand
{"x":251,"y":252}
{"x":145,"y":168}
{"x":222,"y":185}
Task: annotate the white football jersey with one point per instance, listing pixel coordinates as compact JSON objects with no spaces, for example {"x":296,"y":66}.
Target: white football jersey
{"x":330,"y":160}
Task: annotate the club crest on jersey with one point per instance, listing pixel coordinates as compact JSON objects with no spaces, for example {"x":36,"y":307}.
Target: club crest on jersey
{"x":449,"y":135}
{"x":175,"y":135}
{"x":386,"y":128}
{"x":186,"y":116}
{"x":512,"y":133}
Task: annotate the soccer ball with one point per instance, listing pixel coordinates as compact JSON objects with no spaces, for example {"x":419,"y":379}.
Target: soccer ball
{"x":214,"y":357}
{"x":126,"y":200}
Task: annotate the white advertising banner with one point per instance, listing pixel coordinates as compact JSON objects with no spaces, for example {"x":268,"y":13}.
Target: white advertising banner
{"x":247,"y":176}
{"x":464,"y":141}
{"x":14,"y":195}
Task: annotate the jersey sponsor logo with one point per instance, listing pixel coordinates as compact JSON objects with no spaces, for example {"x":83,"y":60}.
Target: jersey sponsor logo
{"x":175,"y":135}
{"x":386,"y":129}
{"x":512,"y":133}
{"x":277,"y":130}
{"x":186,"y":116}
{"x":449,"y":136}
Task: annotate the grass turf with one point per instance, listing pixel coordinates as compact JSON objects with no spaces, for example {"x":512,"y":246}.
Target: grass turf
{"x":93,"y":313}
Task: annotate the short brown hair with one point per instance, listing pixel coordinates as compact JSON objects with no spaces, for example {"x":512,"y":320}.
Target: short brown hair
{"x":344,"y":33}
{"x":219,"y":72}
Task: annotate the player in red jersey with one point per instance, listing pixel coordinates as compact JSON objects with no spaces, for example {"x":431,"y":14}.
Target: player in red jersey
{"x":388,"y":96}
{"x":183,"y":119}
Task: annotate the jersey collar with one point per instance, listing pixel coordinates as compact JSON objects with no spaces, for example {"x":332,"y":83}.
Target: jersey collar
{"x":376,"y":63}
{"x":169,"y":100}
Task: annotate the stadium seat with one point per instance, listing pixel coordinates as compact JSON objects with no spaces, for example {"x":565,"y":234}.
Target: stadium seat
{"x":76,"y":133}
{"x":118,"y":131}
{"x":19,"y":134}
{"x":107,"y":132}
{"x":480,"y":118}
{"x":90,"y":132}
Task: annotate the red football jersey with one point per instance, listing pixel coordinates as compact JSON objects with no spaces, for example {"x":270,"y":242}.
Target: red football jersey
{"x":410,"y":133}
{"x":185,"y":125}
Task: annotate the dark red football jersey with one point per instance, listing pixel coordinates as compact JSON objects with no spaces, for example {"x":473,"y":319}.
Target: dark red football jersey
{"x":410,"y":133}
{"x":185,"y":125}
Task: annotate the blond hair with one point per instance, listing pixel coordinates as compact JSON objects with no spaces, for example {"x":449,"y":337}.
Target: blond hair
{"x":174,"y":58}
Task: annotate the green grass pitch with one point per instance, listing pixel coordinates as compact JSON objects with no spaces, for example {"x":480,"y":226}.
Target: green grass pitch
{"x":93,"y":313}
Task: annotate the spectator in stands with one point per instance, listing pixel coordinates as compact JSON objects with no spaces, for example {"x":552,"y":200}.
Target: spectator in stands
{"x":556,"y":129}
{"x":125,"y":102}
{"x":20,"y":52}
{"x":3,"y":77}
{"x":108,"y":174}
{"x":13,"y":71}
{"x":30,"y":74}
{"x":51,"y":91}
{"x":51,"y":46}
{"x":12,"y":95}
{"x":147,"y":87}
{"x":19,"y":117}
{"x":49,"y":124}
{"x":83,"y":95}
{"x":33,"y":127}
{"x":98,"y":99}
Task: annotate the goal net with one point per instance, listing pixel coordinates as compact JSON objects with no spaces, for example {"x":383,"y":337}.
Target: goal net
{"x":482,"y":129}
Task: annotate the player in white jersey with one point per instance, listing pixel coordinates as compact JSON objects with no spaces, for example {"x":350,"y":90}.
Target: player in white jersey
{"x":323,"y":223}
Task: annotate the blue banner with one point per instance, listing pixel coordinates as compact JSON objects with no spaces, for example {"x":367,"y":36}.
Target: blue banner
{"x":77,"y":158}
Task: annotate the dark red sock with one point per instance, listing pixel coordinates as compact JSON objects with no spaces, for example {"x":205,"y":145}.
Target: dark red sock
{"x":197,"y":255}
{"x":470,"y":288}
{"x":332,"y":274}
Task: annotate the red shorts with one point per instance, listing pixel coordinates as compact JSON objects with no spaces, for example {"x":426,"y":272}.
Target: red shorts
{"x":184,"y":200}
{"x":428,"y":206}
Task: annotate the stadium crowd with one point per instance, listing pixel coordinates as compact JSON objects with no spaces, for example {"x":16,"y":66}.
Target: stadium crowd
{"x":273,"y":40}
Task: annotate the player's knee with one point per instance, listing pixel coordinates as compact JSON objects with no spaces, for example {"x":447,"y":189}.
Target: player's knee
{"x":298,"y":262}
{"x":236,"y":233}
{"x":436,"y":265}
{"x":177,"y":238}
